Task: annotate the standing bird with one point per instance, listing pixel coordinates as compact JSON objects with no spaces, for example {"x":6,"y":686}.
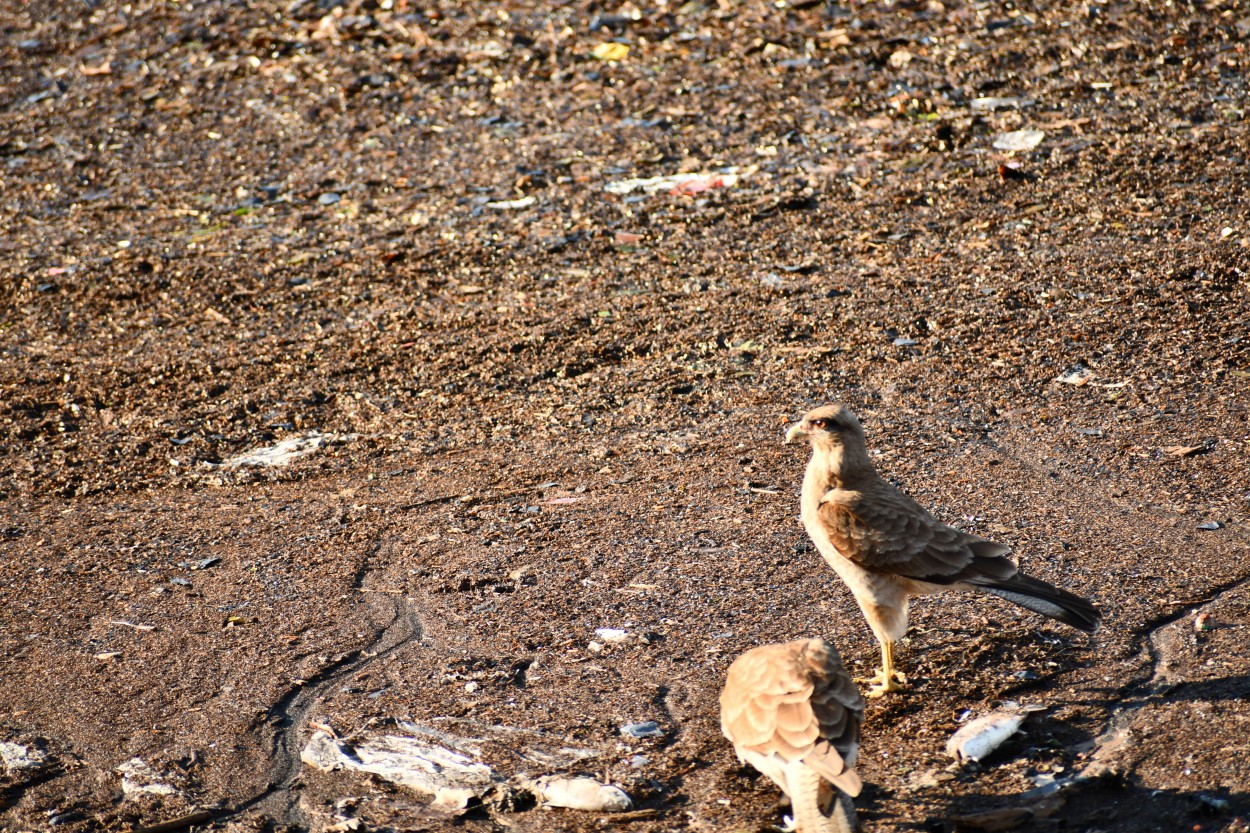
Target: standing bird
{"x":887,"y":548}
{"x":793,"y":713}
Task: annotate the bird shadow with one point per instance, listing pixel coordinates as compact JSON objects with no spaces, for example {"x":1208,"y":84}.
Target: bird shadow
{"x":1234,"y":688}
{"x":1108,"y":804}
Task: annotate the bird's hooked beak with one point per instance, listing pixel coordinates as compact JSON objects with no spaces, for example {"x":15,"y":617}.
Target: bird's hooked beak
{"x":796,"y":432}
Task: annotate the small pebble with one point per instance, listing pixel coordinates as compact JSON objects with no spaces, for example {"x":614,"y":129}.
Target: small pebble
{"x":329,"y":198}
{"x":645,"y":729}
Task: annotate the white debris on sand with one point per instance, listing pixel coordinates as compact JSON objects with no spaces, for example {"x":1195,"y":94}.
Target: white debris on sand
{"x":455,"y":761}
{"x":645,"y":729}
{"x":452,"y":778}
{"x":982,"y":736}
{"x":1077,"y":376}
{"x":578,"y":793}
{"x":285,"y":451}
{"x":1019,"y":141}
{"x":612,"y":634}
{"x":511,"y":205}
{"x":17,"y":756}
{"x":687,"y":184}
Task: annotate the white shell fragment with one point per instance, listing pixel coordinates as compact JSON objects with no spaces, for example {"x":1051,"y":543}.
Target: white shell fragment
{"x":578,"y":793}
{"x":982,"y":736}
{"x":140,"y":779}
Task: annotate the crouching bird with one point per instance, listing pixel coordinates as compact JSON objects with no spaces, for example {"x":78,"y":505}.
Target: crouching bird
{"x":792,"y":712}
{"x":887,"y":548}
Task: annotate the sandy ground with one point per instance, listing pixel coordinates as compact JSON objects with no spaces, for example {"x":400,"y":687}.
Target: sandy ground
{"x":530,"y":403}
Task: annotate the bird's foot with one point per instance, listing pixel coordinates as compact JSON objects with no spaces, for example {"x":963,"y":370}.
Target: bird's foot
{"x":788,"y":825}
{"x":882,"y":689}
{"x":883,"y":684}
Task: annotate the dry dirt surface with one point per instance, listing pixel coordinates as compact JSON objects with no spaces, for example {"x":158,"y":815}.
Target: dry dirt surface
{"x":396,"y":241}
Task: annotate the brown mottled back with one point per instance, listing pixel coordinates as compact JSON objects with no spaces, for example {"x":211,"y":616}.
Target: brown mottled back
{"x":795,"y":701}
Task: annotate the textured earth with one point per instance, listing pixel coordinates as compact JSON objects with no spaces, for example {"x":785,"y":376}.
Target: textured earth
{"x":1013,"y":237}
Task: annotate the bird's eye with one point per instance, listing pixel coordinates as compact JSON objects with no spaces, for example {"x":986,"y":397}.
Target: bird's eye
{"x":822,"y":424}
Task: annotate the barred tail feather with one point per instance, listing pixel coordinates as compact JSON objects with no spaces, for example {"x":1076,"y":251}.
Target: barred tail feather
{"x":834,"y":814}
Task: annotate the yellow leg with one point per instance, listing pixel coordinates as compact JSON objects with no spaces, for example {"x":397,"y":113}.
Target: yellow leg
{"x":887,"y":679}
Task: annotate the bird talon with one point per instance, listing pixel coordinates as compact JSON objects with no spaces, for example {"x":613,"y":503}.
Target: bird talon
{"x":883,"y":684}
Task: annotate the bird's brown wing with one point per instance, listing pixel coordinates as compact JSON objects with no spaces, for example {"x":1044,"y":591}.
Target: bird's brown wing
{"x":763,"y":701}
{"x":883,"y":530}
{"x":838,"y":708}
{"x":795,"y":701}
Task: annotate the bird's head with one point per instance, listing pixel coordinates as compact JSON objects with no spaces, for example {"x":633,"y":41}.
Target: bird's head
{"x":817,"y":653}
{"x":836,"y":437}
{"x":830,"y":426}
